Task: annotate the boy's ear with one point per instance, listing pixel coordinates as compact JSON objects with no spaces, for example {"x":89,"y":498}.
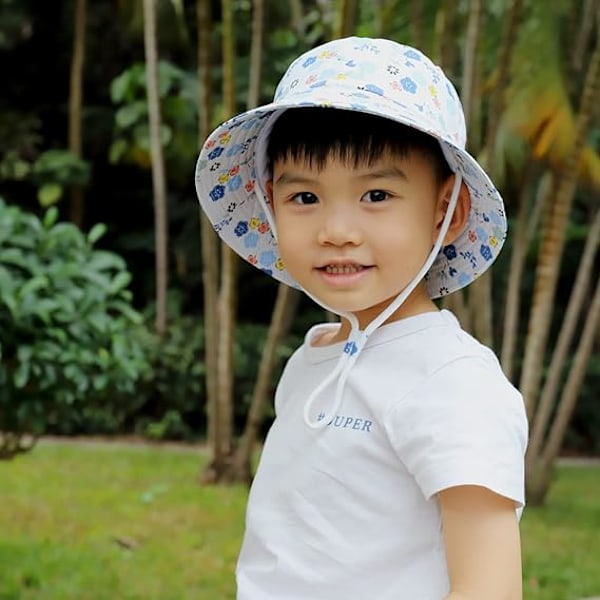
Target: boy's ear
{"x":269,"y":191}
{"x":461,"y":211}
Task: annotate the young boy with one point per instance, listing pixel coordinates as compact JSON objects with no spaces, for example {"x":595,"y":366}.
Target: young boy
{"x":394,"y":466}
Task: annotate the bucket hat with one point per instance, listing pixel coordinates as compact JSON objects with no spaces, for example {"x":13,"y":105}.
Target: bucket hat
{"x":375,"y":76}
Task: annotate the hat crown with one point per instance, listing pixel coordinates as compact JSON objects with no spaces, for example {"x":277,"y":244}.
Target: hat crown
{"x":409,"y":88}
{"x":374,"y":76}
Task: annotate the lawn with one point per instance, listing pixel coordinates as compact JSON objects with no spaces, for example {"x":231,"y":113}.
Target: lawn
{"x":121,"y":522}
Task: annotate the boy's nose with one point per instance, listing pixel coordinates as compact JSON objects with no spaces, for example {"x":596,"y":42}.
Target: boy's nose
{"x":338,"y":228}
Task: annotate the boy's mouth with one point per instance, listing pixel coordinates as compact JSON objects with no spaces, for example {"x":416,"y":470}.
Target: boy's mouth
{"x":342,"y":269}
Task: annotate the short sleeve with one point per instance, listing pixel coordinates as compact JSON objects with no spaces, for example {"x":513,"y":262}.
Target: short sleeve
{"x":465,"y":424}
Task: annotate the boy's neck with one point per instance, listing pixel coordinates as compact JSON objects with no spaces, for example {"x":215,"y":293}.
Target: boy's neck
{"x":416,"y":304}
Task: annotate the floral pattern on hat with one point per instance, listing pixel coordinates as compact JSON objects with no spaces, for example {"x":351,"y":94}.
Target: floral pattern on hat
{"x":375,"y":76}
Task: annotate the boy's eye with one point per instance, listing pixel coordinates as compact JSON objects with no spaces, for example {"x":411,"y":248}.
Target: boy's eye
{"x":375,"y":196}
{"x":305,"y":198}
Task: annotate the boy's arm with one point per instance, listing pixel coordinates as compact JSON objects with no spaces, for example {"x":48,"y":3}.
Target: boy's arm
{"x":483,"y":549}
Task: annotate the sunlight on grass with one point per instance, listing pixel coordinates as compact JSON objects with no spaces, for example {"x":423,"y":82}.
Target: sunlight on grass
{"x":107,"y":522}
{"x":117,"y":522}
{"x":561,"y":540}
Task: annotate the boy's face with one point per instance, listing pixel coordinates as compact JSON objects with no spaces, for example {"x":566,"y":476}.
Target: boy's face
{"x":354,"y":237}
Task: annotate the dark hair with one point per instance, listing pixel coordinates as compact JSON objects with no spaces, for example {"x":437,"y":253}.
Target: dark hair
{"x":314,"y":134}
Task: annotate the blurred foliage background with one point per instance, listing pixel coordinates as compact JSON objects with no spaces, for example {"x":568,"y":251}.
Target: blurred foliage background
{"x":80,"y":352}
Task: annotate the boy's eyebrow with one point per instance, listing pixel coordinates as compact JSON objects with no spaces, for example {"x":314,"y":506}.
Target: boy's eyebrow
{"x":384,"y":173}
{"x":289,"y":177}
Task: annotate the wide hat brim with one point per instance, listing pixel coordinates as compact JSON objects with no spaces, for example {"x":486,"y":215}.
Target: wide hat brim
{"x":374,"y":76}
{"x":230,"y":192}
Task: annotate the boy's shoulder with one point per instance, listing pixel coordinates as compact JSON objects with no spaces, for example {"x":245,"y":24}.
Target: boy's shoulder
{"x":406,"y":352}
{"x":432,"y":339}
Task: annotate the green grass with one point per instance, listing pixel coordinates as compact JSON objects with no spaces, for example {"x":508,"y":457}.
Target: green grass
{"x":561,"y":540}
{"x":114,"y":522}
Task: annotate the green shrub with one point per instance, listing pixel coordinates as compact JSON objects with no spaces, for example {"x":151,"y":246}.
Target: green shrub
{"x":68,"y":333}
{"x":174,"y":388}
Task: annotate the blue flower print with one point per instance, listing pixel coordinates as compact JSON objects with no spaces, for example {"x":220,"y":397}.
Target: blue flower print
{"x":495,"y":218}
{"x":486,"y":252}
{"x":450,"y":251}
{"x":368,"y":47}
{"x":222,"y":224}
{"x":309,"y":61}
{"x":318,"y":84}
{"x":452,"y":271}
{"x":217,"y":192}
{"x":267,"y":258}
{"x":350,"y":348}
{"x":412,"y":54}
{"x":374,"y":89}
{"x":409,"y":85}
{"x":251,"y":240}
{"x":241,"y":228}
{"x":215,"y":153}
{"x":470,"y":257}
{"x":234,"y":183}
{"x":463,"y":279}
{"x":235,"y":149}
{"x":350,"y":64}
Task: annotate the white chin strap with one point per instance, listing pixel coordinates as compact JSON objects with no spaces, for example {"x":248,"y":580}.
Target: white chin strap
{"x":357,"y":338}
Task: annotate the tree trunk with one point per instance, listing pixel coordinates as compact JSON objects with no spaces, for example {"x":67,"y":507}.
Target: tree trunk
{"x":281,"y":320}
{"x":384,"y":11}
{"x":210,"y":254}
{"x":551,"y":249}
{"x":540,"y":473}
{"x":227,"y":292}
{"x":297,"y":19}
{"x":347,"y":18}
{"x":158,"y":166}
{"x":241,"y":467}
{"x":470,"y":75}
{"x":527,"y":222}
{"x":256,"y":51}
{"x":559,"y":357}
{"x":417,"y":21}
{"x":225,"y":374}
{"x":480,"y":308}
{"x":75,"y":104}
{"x":504,"y":59}
{"x":572,"y":386}
{"x":445,"y":37}
{"x":480,"y":292}
{"x":588,"y":27}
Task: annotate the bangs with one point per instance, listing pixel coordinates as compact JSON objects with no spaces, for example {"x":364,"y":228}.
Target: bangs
{"x":314,"y":135}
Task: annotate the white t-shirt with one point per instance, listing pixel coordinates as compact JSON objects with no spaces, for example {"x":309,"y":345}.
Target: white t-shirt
{"x":350,"y":511}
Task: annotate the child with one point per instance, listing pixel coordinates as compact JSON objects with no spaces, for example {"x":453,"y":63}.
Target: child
{"x":394,"y":466}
